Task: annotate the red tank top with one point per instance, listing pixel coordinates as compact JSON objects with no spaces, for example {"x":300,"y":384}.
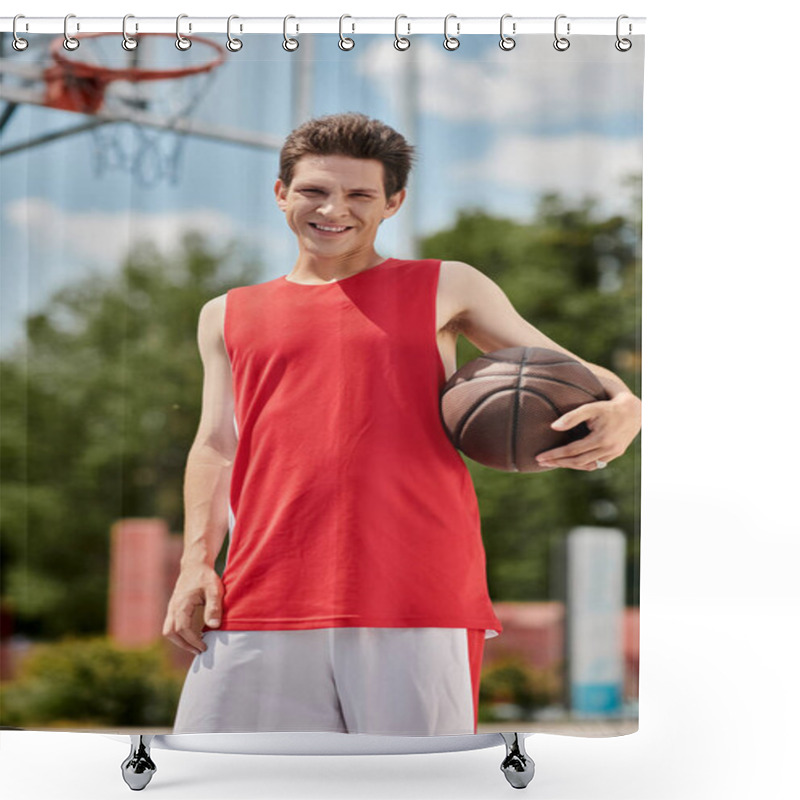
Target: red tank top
{"x":350,"y":506}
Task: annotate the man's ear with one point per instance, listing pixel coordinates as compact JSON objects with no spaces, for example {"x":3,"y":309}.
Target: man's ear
{"x":281,"y":190}
{"x":393,"y":204}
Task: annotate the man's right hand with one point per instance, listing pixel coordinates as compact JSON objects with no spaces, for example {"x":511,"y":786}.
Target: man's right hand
{"x":198,"y":587}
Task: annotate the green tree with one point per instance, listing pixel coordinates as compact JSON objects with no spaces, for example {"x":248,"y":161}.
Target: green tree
{"x":99,"y":408}
{"x":100,"y":404}
{"x":575,"y":276}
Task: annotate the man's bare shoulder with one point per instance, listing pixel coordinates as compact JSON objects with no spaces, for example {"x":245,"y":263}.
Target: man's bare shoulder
{"x":455,"y":268}
{"x":460,"y":275}
{"x":214,"y":306}
{"x":213,"y":311}
{"x":211,"y":322}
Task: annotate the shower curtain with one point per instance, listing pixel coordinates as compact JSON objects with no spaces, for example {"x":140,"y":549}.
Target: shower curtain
{"x":120,"y":229}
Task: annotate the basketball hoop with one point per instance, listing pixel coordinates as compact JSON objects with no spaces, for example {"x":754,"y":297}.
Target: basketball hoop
{"x":155,"y":102}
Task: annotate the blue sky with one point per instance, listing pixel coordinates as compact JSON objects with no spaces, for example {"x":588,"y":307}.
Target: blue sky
{"x":493,"y":129}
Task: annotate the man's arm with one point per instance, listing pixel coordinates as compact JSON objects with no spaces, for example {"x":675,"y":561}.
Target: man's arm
{"x":205,"y":491}
{"x":488,"y":319}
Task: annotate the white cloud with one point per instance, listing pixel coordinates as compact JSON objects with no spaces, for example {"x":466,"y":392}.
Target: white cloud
{"x":538,"y":85}
{"x":106,"y":237}
{"x":574,"y":166}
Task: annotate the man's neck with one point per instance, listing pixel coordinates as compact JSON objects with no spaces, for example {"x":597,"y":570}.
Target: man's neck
{"x":311,"y":268}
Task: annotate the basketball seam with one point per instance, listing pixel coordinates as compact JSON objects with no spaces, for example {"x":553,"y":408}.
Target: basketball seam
{"x":485,"y":357}
{"x":542,"y":378}
{"x":471,"y":411}
{"x":544,"y":397}
{"x":515,"y":415}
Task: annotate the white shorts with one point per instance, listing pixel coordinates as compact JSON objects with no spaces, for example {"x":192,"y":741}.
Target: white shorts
{"x":395,"y":681}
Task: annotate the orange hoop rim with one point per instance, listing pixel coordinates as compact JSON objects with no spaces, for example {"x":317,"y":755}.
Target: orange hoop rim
{"x":84,"y":69}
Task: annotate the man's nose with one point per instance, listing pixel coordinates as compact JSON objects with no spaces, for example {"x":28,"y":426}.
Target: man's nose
{"x":333,"y":205}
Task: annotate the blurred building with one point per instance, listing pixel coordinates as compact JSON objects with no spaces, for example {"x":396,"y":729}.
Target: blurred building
{"x":534,"y":632}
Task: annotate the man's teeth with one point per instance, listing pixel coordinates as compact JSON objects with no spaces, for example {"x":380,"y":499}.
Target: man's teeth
{"x":326,"y":228}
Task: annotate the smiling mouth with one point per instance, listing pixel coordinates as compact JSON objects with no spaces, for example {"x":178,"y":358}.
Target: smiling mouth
{"x":329,"y":228}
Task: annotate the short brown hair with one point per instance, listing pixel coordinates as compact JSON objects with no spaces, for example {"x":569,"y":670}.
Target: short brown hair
{"x":354,"y":135}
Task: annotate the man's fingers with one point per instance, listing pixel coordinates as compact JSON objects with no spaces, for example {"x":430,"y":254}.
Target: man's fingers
{"x":182,"y":636}
{"x":568,"y":451}
{"x":179,"y":641}
{"x":193,"y":640}
{"x":183,"y":625}
{"x":575,"y":449}
{"x":595,"y":446}
{"x":572,"y":418}
{"x":185,"y":635}
{"x":213,"y":610}
{"x":196,"y":601}
{"x":586,"y":460}
{"x":609,"y":435}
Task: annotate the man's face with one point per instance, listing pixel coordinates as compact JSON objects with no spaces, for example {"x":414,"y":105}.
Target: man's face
{"x":335,"y":204}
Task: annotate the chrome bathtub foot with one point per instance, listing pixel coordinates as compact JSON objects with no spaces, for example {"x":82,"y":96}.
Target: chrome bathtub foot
{"x":138,"y":768}
{"x":517,"y":766}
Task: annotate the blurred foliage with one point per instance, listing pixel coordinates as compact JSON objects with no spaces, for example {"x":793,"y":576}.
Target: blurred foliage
{"x":99,"y":408}
{"x":101,"y":402}
{"x":576,"y":277}
{"x":84,"y":682}
{"x":513,"y":681}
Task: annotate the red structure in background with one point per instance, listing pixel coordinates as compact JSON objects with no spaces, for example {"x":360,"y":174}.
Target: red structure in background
{"x":137,"y":586}
{"x":145,"y":561}
{"x":632,"y":652}
{"x":534,"y":631}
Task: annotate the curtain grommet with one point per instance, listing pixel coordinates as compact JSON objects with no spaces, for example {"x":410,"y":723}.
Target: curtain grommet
{"x":561,"y":43}
{"x":233,"y":44}
{"x":507,"y":42}
{"x":129,"y":42}
{"x":401,"y":42}
{"x":18,"y":43}
{"x":451,"y":42}
{"x":289,"y":44}
{"x":181,"y":42}
{"x":622,"y":44}
{"x":71,"y":44}
{"x":345,"y":43}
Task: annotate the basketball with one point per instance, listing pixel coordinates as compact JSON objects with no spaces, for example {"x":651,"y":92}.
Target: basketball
{"x":498,"y":408}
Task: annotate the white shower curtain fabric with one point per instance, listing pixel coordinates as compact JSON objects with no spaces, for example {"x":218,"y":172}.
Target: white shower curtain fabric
{"x":115,"y":234}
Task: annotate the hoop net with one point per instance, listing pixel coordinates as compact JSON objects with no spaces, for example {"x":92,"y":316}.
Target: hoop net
{"x":138,"y":108}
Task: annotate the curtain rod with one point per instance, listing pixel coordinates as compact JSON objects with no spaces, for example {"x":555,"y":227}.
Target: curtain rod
{"x":406,"y":25}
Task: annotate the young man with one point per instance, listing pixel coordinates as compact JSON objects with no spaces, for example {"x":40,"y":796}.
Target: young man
{"x":354,"y":595}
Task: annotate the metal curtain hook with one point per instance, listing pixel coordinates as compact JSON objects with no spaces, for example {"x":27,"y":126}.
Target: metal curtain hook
{"x":623,"y":45}
{"x":400,"y":42}
{"x":561,"y":43}
{"x":344,"y":42}
{"x":70,"y":42}
{"x":289,"y":44}
{"x":181,"y":42}
{"x":233,"y":44}
{"x":128,"y":42}
{"x":19,"y":44}
{"x":451,"y":42}
{"x":506,"y":42}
